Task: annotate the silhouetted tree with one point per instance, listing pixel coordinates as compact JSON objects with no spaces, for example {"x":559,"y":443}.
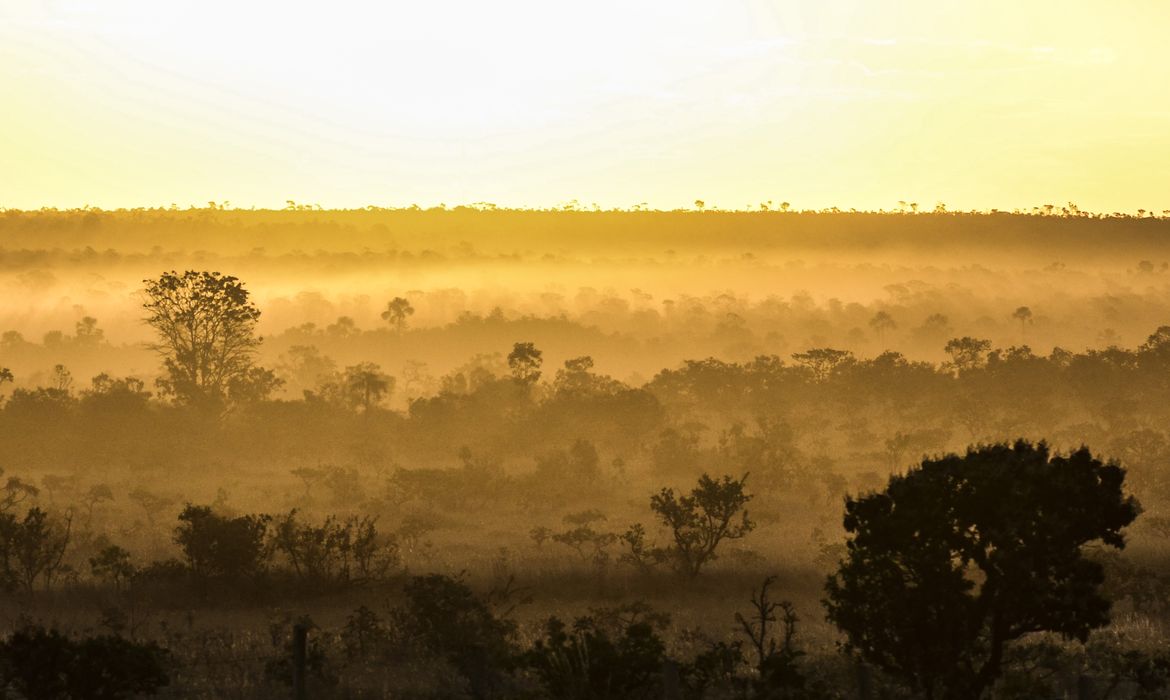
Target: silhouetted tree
{"x":61,"y":379}
{"x":35,"y":546}
{"x":366,"y":385}
{"x":822,"y":362}
{"x":1023,"y":315}
{"x":216,"y":546}
{"x":112,"y":564}
{"x":962,"y":555}
{"x":967,"y":353}
{"x":881,"y":323}
{"x":396,"y":313}
{"x":206,"y":326}
{"x":713,"y":511}
{"x":779,"y":676}
{"x":525,"y":361}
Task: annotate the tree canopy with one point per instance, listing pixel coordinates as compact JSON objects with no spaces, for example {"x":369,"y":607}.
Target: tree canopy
{"x":206,"y":327}
{"x":963,"y":554}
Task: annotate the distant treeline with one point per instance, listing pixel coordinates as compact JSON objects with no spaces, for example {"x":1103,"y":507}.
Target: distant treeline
{"x":1048,"y":230}
{"x":816,"y":414}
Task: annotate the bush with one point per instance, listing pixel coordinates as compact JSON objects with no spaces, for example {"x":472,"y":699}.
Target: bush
{"x":339,"y":550}
{"x":220,"y":547}
{"x":587,"y":662}
{"x":47,"y":665}
{"x":447,"y":620}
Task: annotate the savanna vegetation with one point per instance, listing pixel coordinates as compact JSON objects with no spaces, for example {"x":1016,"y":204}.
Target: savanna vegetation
{"x":576,"y":454}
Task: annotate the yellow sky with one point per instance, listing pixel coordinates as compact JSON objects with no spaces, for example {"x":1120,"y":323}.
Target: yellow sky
{"x":852,"y":103}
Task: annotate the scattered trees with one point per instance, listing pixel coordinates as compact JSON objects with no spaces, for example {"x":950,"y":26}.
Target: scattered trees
{"x":341,"y":550}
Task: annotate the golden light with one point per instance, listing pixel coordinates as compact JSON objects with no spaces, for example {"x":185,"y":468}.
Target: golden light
{"x":847,"y":103}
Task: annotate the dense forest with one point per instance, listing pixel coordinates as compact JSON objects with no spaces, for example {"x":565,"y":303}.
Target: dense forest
{"x":481,"y":453}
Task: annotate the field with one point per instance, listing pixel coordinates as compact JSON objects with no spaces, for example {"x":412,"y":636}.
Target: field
{"x":555,"y":372}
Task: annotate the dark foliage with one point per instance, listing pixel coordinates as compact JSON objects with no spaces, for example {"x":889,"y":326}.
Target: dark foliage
{"x":962,"y":555}
{"x":587,"y":662}
{"x":49,"y":666}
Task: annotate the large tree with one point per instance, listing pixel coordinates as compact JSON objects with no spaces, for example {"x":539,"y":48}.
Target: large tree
{"x":962,"y":555}
{"x":207,"y":334}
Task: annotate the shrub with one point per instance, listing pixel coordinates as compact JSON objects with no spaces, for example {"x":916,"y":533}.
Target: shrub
{"x":45,"y":664}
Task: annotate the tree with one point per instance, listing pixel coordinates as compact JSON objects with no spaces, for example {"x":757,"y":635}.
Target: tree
{"x":714,"y":511}
{"x":254,"y":386}
{"x":87,"y":332}
{"x":112,"y":564}
{"x":396,"y":313}
{"x":218,"y":546}
{"x":881,"y":323}
{"x":61,"y":379}
{"x":962,"y":555}
{"x":305,"y":366}
{"x":1023,"y":315}
{"x":525,"y":361}
{"x":366,"y":385}
{"x":822,"y":362}
{"x":206,"y":326}
{"x":779,"y":676}
{"x":39,"y":547}
{"x":32,"y":547}
{"x":967,"y":353}
{"x":442,"y":617}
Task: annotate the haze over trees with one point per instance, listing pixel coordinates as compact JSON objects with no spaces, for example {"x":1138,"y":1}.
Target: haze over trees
{"x":626,"y":486}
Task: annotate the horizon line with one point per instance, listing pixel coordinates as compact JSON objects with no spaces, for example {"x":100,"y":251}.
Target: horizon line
{"x":1069,"y":211}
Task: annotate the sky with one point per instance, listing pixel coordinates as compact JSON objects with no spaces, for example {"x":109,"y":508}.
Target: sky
{"x":820,"y":103}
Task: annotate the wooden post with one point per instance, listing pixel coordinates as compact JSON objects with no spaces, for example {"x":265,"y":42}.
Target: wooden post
{"x":300,"y":642}
{"x":864,"y":682}
{"x":1084,"y":687}
{"x":671,"y":686}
